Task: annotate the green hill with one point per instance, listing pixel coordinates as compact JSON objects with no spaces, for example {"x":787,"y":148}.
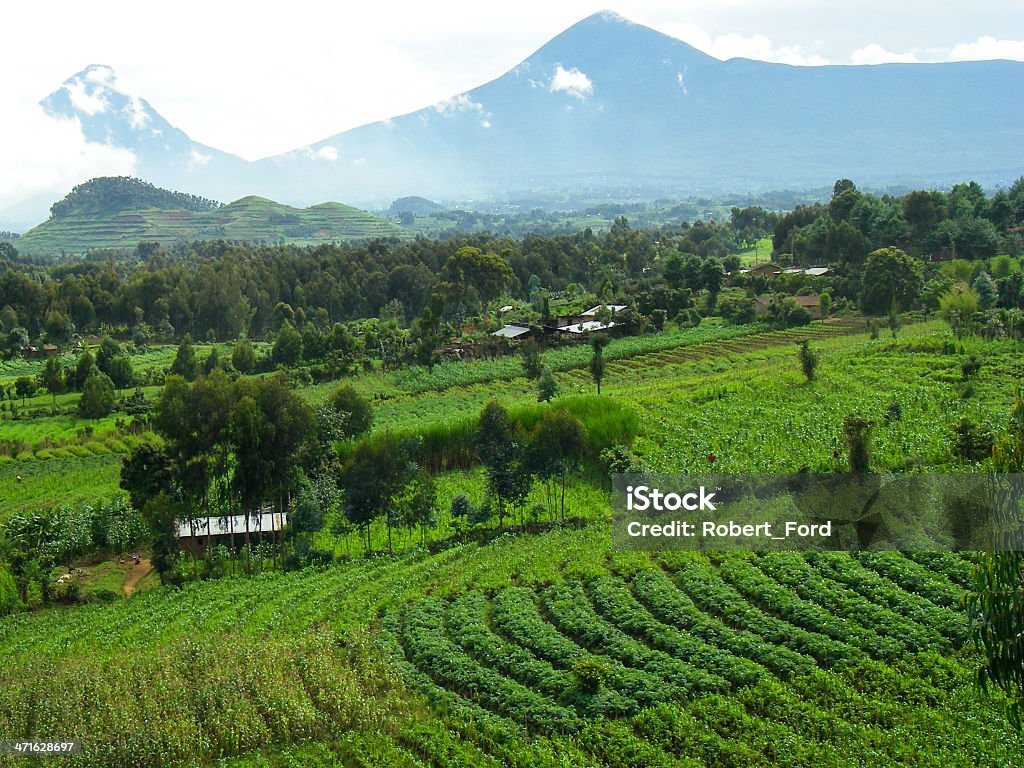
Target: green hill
{"x":120,"y":213}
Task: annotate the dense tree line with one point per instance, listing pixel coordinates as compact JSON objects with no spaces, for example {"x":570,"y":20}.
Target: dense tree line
{"x":110,"y":194}
{"x":221,"y":290}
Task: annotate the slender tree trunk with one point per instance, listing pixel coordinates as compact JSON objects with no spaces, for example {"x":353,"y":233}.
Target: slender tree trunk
{"x":563,"y":495}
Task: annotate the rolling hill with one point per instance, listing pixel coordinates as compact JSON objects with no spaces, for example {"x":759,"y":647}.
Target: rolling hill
{"x":100,"y":215}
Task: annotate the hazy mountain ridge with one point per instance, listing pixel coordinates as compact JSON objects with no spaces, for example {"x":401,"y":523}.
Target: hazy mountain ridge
{"x":606,"y":104}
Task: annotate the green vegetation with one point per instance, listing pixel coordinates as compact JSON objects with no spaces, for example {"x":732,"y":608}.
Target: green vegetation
{"x":120,"y":213}
{"x":445,"y":591}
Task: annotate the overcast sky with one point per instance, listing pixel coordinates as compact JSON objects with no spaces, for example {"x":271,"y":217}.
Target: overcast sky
{"x":257,"y":80}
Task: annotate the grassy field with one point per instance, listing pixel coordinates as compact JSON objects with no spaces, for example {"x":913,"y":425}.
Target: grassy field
{"x":760,"y":253}
{"x":550,"y":648}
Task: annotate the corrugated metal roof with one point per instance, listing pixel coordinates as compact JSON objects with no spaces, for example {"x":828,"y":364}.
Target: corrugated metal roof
{"x":511,"y":331}
{"x":264,"y":522}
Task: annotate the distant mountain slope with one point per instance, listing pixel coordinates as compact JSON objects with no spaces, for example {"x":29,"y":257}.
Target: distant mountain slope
{"x":613,"y":103}
{"x":164,"y":153}
{"x":609,"y":105}
{"x":121,"y":213}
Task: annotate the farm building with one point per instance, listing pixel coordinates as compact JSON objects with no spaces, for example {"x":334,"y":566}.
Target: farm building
{"x":766,"y":270}
{"x":194,"y":535}
{"x":513,"y":332}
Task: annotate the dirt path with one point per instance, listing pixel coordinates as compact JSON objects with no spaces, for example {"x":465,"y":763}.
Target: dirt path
{"x":136,"y":573}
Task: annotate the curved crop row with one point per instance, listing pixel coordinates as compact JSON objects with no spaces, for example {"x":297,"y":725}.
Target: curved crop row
{"x":840,"y":567}
{"x":792,"y":571}
{"x":952,"y":565}
{"x":517,"y":616}
{"x":567,"y":604}
{"x":467,"y":625}
{"x":913,"y":577}
{"x":613,"y":600}
{"x":662,"y":598}
{"x":763,"y":590}
{"x":712,"y":594}
{"x":450,"y":666}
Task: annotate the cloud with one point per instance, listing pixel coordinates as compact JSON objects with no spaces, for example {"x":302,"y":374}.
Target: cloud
{"x":52,"y":156}
{"x":733,"y":45}
{"x":89,"y":101}
{"x":136,"y":113}
{"x":572,"y":82}
{"x":197,"y":159}
{"x":988,"y":48}
{"x":462,"y":103}
{"x":873,"y":53}
{"x":327,"y":153}
{"x":456,"y":104}
{"x":101,"y":75}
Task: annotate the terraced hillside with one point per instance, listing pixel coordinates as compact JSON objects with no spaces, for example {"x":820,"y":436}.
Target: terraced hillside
{"x":251,"y":219}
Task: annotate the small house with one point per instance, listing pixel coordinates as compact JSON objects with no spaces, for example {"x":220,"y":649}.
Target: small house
{"x":196,"y":534}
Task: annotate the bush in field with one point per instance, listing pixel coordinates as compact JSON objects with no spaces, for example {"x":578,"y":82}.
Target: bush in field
{"x":590,"y":673}
{"x":530,"y":352}
{"x":808,"y":360}
{"x":547,"y":387}
{"x":970,"y":366}
{"x":857,"y":431}
{"x":353,"y":409}
{"x":972,"y":442}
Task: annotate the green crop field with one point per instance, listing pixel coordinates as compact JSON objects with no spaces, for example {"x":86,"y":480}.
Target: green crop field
{"x":548,"y":648}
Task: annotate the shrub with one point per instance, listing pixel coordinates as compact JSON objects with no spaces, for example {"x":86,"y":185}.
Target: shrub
{"x":590,"y":674}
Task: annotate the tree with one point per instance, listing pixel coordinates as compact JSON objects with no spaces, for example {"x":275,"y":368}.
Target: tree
{"x":488,"y":273}
{"x":417,"y":503}
{"x":890,"y":275}
{"x":808,"y":360}
{"x":212,"y":362}
{"x":25,"y":386}
{"x":498,"y":444}
{"x":97,"y":396}
{"x":184,"y":364}
{"x":555,"y":447}
{"x":243,"y":356}
{"x":356,"y":415}
{"x":530,"y":352}
{"x":83,"y":368}
{"x":53,"y":378}
{"x":146,"y":472}
{"x":376,"y":472}
{"x":825,"y":304}
{"x":547,"y":387}
{"x":986,"y":290}
{"x":120,"y":371}
{"x":287,"y":346}
{"x":996,"y":596}
{"x":712,"y":275}
{"x":597,"y":344}
{"x":109,"y":349}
